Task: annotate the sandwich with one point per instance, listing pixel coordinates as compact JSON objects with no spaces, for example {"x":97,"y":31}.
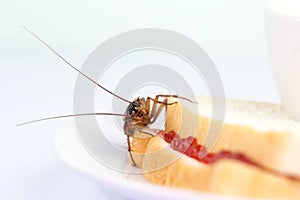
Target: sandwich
{"x":257,"y":153}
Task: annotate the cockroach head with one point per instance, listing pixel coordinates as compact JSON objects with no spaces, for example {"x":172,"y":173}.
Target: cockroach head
{"x":135,"y":106}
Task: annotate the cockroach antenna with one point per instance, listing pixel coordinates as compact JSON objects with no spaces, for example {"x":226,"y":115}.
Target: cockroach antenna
{"x":72,"y":66}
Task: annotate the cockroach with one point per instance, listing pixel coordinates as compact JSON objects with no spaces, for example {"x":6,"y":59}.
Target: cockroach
{"x":139,"y":113}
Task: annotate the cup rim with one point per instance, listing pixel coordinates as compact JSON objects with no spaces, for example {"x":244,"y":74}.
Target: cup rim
{"x":268,"y":10}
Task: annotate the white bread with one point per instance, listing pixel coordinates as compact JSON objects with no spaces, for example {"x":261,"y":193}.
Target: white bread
{"x":227,"y":177}
{"x":261,"y":131}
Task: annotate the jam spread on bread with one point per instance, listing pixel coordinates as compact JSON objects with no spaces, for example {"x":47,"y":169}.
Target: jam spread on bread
{"x":190,"y":147}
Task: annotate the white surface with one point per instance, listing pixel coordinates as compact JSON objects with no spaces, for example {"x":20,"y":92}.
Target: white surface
{"x":34,"y":83}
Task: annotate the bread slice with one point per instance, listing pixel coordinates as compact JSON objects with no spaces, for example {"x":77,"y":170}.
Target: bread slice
{"x":164,"y":166}
{"x":261,"y":131}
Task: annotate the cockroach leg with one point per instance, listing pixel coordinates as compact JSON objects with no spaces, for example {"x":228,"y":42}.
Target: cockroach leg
{"x":129,"y":150}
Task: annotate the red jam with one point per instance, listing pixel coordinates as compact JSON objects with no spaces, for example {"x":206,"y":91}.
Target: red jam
{"x":190,"y":147}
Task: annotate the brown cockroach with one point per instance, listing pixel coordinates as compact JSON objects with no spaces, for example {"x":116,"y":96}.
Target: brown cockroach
{"x":139,"y":114}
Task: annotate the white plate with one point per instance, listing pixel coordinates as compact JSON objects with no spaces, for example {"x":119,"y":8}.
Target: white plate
{"x":68,"y":147}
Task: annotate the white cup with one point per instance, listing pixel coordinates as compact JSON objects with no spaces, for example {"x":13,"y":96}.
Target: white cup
{"x":282,"y":22}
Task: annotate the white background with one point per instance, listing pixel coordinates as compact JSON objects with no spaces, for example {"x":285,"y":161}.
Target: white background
{"x":35,"y":83}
